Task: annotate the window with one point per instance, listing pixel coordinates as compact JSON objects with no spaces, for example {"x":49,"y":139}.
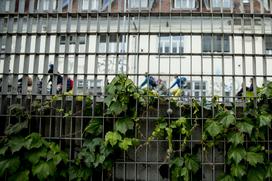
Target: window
{"x":215,"y":43}
{"x":7,"y":5}
{"x":2,"y":51}
{"x":171,"y":44}
{"x":85,"y":5}
{"x":266,"y":4}
{"x":247,"y":22}
{"x":72,"y":39}
{"x":138,"y":3}
{"x":246,"y":1}
{"x":46,"y":4}
{"x":197,"y":85}
{"x":268,"y":45}
{"x":185,"y":4}
{"x":81,"y":39}
{"x":94,"y":4}
{"x":113,"y":43}
{"x":218,"y":3}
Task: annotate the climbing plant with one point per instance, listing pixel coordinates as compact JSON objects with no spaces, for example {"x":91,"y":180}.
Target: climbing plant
{"x":244,"y":131}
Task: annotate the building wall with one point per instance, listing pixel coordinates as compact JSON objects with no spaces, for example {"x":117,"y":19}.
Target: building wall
{"x":32,"y":38}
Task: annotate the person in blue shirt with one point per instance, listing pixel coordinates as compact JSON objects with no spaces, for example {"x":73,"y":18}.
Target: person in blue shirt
{"x":180,"y":83}
{"x":149,"y":81}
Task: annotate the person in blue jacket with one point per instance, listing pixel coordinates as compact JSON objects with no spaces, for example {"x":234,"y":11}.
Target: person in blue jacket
{"x":180,"y":83}
{"x":149,"y":81}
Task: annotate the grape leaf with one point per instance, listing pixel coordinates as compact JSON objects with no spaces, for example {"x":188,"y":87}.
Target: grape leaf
{"x":122,"y":125}
{"x":112,"y":138}
{"x":214,"y":128}
{"x":237,"y":154}
{"x":236,"y":138}
{"x":254,"y":158}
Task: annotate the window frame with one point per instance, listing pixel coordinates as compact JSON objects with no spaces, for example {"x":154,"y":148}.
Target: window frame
{"x":190,"y":4}
{"x":170,"y":39}
{"x":213,"y":41}
{"x":211,"y":4}
{"x":268,"y":44}
{"x":133,"y":5}
{"x":114,"y":42}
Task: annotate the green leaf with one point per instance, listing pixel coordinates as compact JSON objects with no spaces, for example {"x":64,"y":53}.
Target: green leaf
{"x":68,"y":114}
{"x":94,"y":128}
{"x":245,"y":127}
{"x":124,"y":144}
{"x":191,"y":163}
{"x":3,"y":150}
{"x":236,"y":138}
{"x":108,"y":100}
{"x":33,"y":140}
{"x":238,"y":170}
{"x":227,"y":178}
{"x":254,"y":158}
{"x":237,"y":154}
{"x":122,"y":125}
{"x":256,"y":174}
{"x":43,"y":170}
{"x":10,"y":165}
{"x":184,"y":172}
{"x":265,"y":120}
{"x":179,"y":161}
{"x":214,"y":128}
{"x":116,"y":108}
{"x":34,"y":155}
{"x":99,"y":160}
{"x":228,"y":120}
{"x":112,"y":138}
{"x":20,"y":176}
{"x":16,"y":143}
{"x":16,"y":128}
{"x":269,"y":171}
{"x":181,"y":121}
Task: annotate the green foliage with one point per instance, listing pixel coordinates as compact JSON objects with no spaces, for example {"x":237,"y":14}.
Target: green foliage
{"x":236,"y":138}
{"x":238,"y":170}
{"x":228,"y":119}
{"x":213,"y":128}
{"x":254,"y":158}
{"x":227,"y":178}
{"x":256,"y":174}
{"x":122,"y":125}
{"x":244,"y":163}
{"x":245,"y":127}
{"x":94,"y":127}
{"x":182,"y":167}
{"x":236,"y":154}
{"x":113,"y":138}
{"x":29,"y":157}
{"x":119,"y":93}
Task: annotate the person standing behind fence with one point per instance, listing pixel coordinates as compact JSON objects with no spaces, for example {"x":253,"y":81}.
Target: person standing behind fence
{"x":250,"y":89}
{"x":59,"y":79}
{"x":180,"y":82}
{"x":149,"y":81}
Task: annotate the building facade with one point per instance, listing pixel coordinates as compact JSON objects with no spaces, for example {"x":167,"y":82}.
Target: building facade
{"x":218,"y":45}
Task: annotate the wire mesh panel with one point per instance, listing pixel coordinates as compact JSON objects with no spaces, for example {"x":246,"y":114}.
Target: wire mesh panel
{"x":193,"y":50}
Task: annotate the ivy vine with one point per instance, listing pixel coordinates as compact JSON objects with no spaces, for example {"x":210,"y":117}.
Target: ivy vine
{"x":244,"y":131}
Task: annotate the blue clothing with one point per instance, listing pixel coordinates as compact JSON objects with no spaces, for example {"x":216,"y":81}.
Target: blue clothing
{"x":250,"y":87}
{"x":150,"y":81}
{"x":180,"y":82}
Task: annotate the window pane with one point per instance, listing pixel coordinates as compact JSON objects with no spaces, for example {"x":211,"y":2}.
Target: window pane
{"x":206,"y":43}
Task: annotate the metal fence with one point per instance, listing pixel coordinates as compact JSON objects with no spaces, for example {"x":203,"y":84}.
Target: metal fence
{"x":221,"y":47}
